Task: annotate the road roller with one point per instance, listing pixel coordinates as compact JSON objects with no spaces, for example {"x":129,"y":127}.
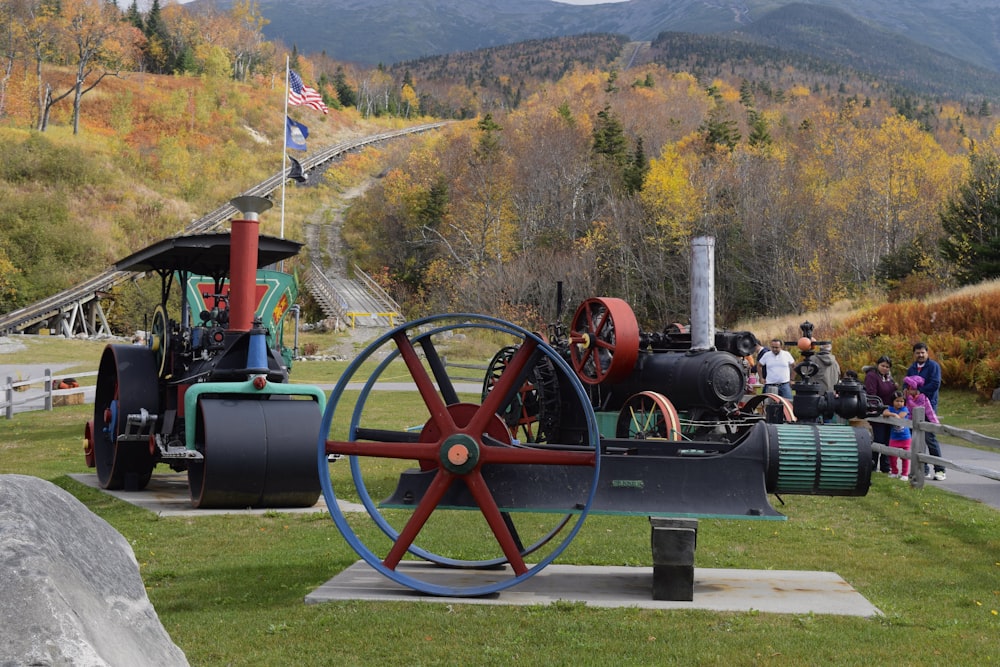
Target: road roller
{"x":593,"y":416}
{"x":208,"y":391}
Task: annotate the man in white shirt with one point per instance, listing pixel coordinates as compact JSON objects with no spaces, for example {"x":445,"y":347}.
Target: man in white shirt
{"x":776,"y":370}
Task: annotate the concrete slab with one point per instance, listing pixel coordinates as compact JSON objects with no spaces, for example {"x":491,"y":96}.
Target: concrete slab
{"x":773,"y":591}
{"x":778,"y":591}
{"x":168,"y":495}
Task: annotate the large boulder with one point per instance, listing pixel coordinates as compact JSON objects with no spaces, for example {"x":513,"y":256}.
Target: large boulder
{"x":70,"y":586}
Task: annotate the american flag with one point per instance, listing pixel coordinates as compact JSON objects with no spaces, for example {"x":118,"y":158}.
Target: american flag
{"x":300,"y":93}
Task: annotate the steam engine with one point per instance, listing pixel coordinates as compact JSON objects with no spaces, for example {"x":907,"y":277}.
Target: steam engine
{"x":208,"y":394}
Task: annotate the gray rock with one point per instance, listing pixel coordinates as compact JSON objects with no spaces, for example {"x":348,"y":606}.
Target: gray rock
{"x":70,"y":586}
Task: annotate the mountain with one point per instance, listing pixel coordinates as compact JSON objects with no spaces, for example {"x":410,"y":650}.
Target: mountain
{"x":824,"y":40}
{"x":388,"y":31}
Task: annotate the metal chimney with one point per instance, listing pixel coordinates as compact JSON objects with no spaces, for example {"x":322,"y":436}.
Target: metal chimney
{"x":703,"y":293}
{"x":243,"y":245}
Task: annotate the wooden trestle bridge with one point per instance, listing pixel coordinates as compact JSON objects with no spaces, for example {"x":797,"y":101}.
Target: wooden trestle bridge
{"x":78,"y":310}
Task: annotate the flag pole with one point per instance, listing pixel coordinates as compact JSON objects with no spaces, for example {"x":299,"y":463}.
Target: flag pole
{"x":284,"y":150}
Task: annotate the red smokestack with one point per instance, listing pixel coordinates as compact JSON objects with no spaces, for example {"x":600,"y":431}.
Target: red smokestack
{"x":243,"y":262}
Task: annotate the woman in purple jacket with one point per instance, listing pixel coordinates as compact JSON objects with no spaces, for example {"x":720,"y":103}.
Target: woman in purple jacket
{"x":879,"y":382}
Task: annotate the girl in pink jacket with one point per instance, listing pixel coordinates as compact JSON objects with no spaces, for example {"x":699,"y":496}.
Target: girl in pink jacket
{"x":914,"y":399}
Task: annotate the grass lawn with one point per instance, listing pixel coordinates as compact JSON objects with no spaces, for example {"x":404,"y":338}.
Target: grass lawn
{"x":230,"y":589}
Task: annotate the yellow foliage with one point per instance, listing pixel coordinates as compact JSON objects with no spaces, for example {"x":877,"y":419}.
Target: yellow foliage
{"x":798,"y":90}
{"x":669,"y":194}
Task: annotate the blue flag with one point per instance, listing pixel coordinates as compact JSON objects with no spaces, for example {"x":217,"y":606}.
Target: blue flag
{"x":295,"y":134}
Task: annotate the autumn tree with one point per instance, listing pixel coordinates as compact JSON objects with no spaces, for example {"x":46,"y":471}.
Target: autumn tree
{"x":971,"y":222}
{"x":246,"y":41}
{"x":97,"y":42}
{"x":11,"y":46}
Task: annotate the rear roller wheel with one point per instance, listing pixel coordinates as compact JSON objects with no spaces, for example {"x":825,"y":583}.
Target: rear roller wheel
{"x":126,"y":384}
{"x":257,"y":453}
{"x":465,"y":455}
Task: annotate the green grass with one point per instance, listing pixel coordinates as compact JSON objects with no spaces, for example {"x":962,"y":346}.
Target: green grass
{"x":230,"y":589}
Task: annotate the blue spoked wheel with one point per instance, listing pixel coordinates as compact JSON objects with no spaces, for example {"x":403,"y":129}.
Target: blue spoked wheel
{"x":412,"y":408}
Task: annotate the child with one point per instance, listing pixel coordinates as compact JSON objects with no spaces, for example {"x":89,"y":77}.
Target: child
{"x":899,"y":436}
{"x":914,"y":399}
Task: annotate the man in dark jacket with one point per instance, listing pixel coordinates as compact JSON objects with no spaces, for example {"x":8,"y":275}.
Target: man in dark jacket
{"x":930,"y":371}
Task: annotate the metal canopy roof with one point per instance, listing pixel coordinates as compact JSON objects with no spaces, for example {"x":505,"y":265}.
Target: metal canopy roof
{"x":207,"y":254}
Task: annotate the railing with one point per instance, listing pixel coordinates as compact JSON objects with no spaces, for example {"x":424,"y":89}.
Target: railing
{"x":15,"y":393}
{"x":90,"y":290}
{"x":918,"y":455}
{"x":377,"y":290}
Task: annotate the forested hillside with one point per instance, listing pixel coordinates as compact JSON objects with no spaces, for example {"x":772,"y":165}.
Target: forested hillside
{"x":573,"y":166}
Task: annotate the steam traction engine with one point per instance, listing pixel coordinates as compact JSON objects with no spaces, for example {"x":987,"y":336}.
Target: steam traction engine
{"x":598,"y":417}
{"x":209,"y":394}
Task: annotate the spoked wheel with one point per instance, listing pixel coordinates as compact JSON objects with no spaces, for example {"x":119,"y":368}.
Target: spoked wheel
{"x":760,"y":404}
{"x":604,"y":340}
{"x":159,"y":338}
{"x":126,"y":384}
{"x":465,"y":455}
{"x":648,"y":415}
{"x":533,"y":413}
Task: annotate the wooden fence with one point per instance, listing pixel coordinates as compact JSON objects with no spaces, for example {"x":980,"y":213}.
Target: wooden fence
{"x":22,"y":395}
{"x":14,"y":394}
{"x":918,"y":447}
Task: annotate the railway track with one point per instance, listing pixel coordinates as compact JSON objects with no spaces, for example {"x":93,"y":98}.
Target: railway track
{"x":77,"y":309}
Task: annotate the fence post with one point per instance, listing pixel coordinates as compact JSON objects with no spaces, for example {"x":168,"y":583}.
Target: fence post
{"x":48,"y":389}
{"x":10,"y":397}
{"x":918,"y":446}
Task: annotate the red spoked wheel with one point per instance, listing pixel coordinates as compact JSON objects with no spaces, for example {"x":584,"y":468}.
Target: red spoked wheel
{"x":604,"y":340}
{"x":648,"y":415}
{"x":462,"y":454}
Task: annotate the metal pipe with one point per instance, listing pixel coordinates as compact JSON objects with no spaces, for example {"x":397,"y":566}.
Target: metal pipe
{"x":243,"y":245}
{"x":703,"y":293}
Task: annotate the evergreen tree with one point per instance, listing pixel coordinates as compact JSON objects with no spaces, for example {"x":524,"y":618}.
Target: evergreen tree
{"x":609,"y":138}
{"x":635,"y":171}
{"x":971,"y":221}
{"x":720,"y":131}
{"x":158,"y":37}
{"x":134,"y":17}
{"x":347,"y":96}
{"x":759,"y":134}
{"x":489,"y":142}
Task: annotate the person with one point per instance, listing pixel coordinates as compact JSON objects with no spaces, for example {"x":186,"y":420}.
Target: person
{"x":915,"y":399}
{"x":775,"y":367}
{"x":899,"y":436}
{"x":829,"y":368}
{"x":879,"y":383}
{"x":753,"y":376}
{"x":930,"y":371}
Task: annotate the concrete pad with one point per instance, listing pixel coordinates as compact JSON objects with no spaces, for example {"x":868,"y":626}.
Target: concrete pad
{"x":168,"y":495}
{"x":774,"y":591}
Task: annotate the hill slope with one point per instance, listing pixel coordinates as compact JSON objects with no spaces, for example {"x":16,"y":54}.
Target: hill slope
{"x":387,"y":31}
{"x":822,"y":39}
